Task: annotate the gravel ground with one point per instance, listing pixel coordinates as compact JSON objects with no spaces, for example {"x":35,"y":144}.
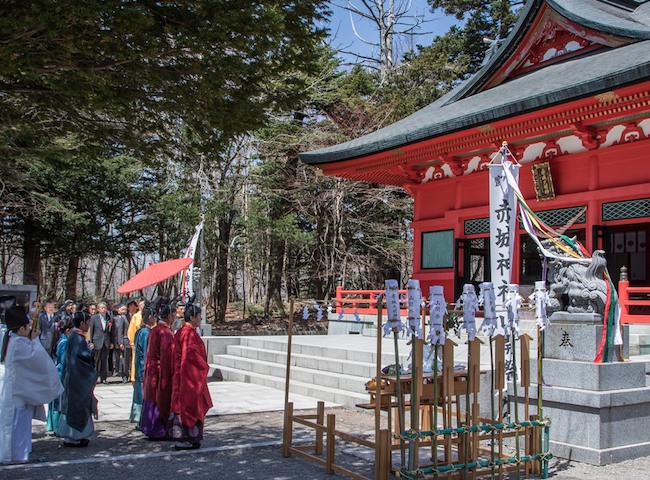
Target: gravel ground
{"x":234,"y":447}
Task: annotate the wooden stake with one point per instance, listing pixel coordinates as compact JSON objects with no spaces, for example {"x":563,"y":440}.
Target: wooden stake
{"x":287,"y":437}
{"x":289,"y":340}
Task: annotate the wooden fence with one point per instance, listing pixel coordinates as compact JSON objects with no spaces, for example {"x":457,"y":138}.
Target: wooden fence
{"x":635,"y":301}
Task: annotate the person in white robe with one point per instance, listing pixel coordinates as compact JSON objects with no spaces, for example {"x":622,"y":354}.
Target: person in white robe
{"x":28,"y":380}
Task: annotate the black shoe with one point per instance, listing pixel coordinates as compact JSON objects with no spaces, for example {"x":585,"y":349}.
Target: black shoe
{"x":186,"y":446}
{"x":80,"y":444}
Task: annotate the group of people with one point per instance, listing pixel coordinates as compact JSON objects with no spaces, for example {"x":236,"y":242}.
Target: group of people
{"x":57,"y":358}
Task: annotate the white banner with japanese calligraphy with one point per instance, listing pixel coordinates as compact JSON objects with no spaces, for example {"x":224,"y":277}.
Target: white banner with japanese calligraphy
{"x":187,"y":287}
{"x":502,"y":227}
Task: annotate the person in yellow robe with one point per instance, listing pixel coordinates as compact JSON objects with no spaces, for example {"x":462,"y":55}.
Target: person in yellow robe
{"x":134,"y":325}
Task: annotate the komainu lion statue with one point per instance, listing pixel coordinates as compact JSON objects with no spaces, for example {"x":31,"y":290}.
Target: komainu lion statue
{"x":581,"y":285}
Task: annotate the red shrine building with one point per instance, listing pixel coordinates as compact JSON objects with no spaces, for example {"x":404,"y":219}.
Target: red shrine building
{"x":569,"y":91}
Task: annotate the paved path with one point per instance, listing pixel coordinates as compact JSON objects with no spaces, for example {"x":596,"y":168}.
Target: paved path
{"x":229,"y":398}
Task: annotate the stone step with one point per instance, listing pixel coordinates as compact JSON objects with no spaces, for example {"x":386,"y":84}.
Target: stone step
{"x":328,"y":394}
{"x":340,"y":381}
{"x":333,"y":365}
{"x":639,"y":343}
{"x":329,"y":352}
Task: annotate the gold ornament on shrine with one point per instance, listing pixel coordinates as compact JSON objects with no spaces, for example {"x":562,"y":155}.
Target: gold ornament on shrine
{"x":543,"y":181}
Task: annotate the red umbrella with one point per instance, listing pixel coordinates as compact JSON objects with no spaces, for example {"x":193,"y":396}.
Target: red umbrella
{"x":155,"y":273}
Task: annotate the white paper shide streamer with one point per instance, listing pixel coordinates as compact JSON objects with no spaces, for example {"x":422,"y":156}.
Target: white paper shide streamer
{"x":487,"y":299}
{"x":414,"y":302}
{"x":437,"y":312}
{"x":513,"y":304}
{"x":468,"y":303}
{"x":540,"y":299}
{"x":393,"y":322}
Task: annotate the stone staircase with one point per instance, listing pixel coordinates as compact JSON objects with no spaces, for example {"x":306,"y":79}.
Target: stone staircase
{"x":334,"y":372}
{"x":335,"y":368}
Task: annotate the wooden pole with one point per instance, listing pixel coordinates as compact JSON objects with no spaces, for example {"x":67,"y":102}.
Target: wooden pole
{"x":448,"y":392}
{"x":289,"y":340}
{"x":378,"y":398}
{"x":516,"y":402}
{"x":540,"y":381}
{"x":499,"y":379}
{"x":287,"y":437}
{"x":400,"y":398}
{"x":320,"y":420}
{"x":436,"y":394}
{"x":492,"y":412}
{"x":331,"y":441}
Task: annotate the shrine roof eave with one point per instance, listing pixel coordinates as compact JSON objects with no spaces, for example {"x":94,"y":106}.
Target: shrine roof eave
{"x":573,"y":79}
{"x":596,"y":15}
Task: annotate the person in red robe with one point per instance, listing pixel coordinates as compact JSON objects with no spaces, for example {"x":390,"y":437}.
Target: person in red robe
{"x":190,"y":395}
{"x":157,"y":386}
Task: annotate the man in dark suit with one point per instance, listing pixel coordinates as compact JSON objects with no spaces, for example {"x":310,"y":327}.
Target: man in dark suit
{"x":101,"y":340}
{"x":47,"y":325}
{"x":122,"y":344}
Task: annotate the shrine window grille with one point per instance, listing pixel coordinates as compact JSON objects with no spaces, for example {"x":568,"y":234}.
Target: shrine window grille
{"x":477,"y":226}
{"x":560,"y":216}
{"x":437,"y":249}
{"x":639,"y":208}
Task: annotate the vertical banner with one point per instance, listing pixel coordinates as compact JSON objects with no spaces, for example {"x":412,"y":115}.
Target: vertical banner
{"x":187,"y":288}
{"x":502,"y":237}
{"x":502,"y":227}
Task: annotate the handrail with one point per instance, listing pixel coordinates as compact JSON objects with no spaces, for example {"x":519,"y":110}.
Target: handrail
{"x":624,"y":291}
{"x":363,"y":302}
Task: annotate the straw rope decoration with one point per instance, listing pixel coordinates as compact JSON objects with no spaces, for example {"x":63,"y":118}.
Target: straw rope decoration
{"x":575,"y":252}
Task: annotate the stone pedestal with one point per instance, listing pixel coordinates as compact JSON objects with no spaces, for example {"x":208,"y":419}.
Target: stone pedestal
{"x":600,"y":413}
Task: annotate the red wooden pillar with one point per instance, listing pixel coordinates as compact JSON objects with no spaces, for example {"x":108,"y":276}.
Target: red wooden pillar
{"x":339,"y":298}
{"x":624,"y":296}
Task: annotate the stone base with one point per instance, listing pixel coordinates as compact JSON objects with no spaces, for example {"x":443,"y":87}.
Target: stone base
{"x":599,"y":412}
{"x":600,"y":457}
{"x":579,"y":341}
{"x":590,"y":376}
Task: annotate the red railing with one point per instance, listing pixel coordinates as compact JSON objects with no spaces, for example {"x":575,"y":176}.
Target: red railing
{"x":364,"y":302}
{"x":640,"y":297}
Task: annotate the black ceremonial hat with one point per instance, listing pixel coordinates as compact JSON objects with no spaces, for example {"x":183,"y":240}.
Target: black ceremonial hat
{"x":16,"y":317}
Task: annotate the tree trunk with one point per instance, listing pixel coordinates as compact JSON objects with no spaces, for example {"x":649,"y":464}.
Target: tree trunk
{"x":221,"y":271}
{"x":274,"y":284}
{"x":98,"y":276}
{"x":31,"y":254}
{"x":71,"y":277}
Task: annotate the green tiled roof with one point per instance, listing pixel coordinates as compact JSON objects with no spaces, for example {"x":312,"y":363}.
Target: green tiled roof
{"x":557,"y":83}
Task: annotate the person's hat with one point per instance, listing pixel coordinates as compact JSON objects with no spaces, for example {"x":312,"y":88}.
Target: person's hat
{"x":120,"y":305}
{"x":16,"y":317}
{"x":180,"y":304}
{"x":68,"y":302}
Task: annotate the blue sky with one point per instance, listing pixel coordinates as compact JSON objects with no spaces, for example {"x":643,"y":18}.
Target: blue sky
{"x":342,"y":35}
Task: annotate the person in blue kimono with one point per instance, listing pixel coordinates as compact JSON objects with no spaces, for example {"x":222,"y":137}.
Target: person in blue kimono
{"x":140,"y":351}
{"x":78,"y":403}
{"x":54,"y":407}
